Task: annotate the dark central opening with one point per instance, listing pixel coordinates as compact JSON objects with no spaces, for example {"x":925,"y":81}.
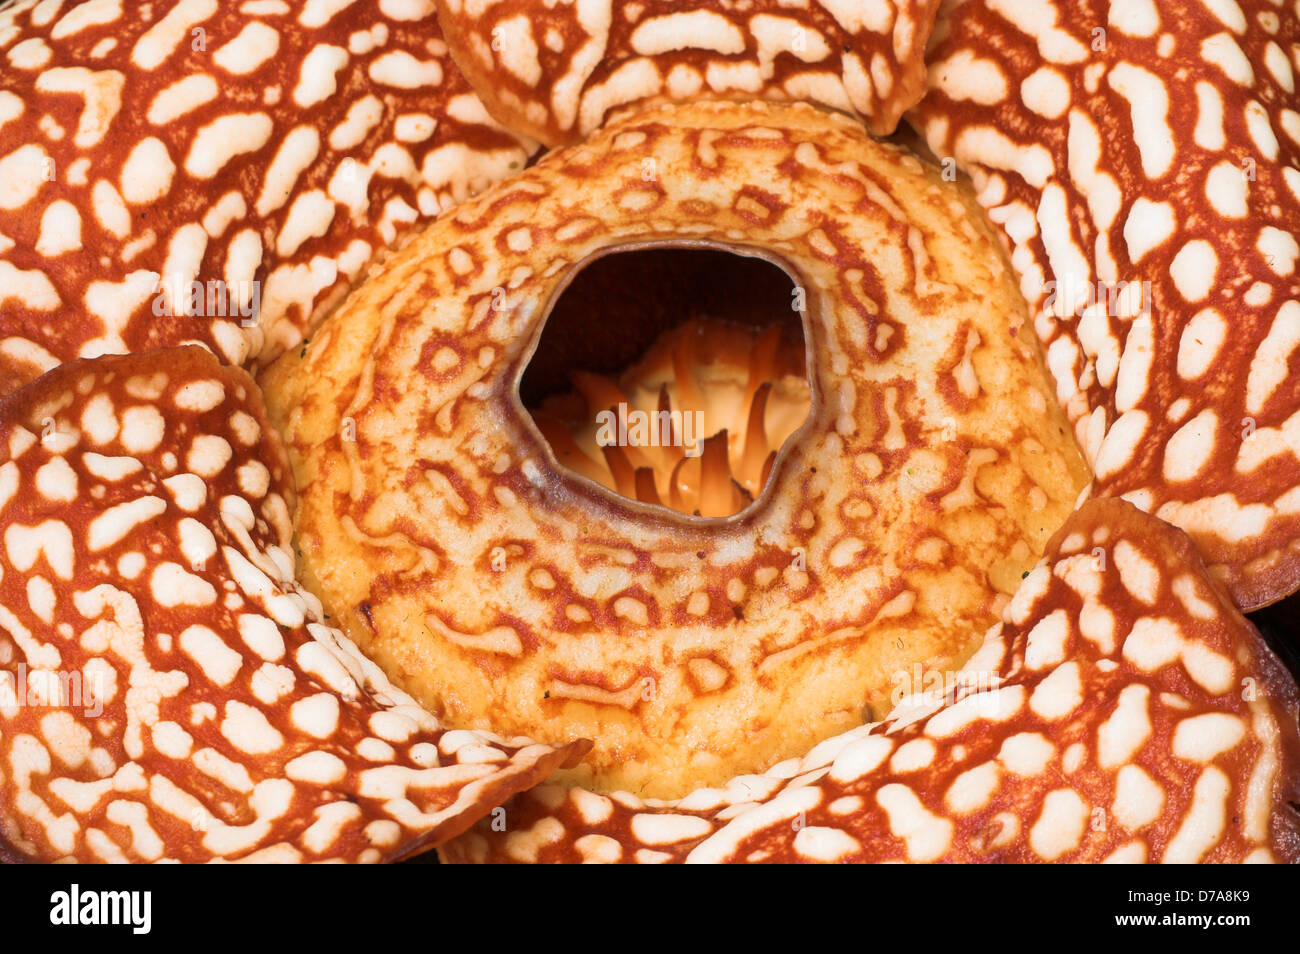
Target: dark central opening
{"x":672,"y":375}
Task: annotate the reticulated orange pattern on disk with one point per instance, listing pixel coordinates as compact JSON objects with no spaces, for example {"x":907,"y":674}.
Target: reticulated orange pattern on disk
{"x":1123,"y":711}
{"x":503,"y":592}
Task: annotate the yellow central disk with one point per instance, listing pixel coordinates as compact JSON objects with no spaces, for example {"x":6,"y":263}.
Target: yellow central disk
{"x":513,"y":575}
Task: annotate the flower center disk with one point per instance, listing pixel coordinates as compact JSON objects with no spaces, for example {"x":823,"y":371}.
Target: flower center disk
{"x":456,"y":537}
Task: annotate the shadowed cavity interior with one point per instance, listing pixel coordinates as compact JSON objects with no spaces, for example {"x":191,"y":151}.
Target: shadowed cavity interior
{"x":672,"y":376}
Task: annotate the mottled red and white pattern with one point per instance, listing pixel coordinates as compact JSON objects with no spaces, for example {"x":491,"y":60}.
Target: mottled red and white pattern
{"x":273,"y":147}
{"x":167,"y":689}
{"x":555,"y":70}
{"x":1143,"y":161}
